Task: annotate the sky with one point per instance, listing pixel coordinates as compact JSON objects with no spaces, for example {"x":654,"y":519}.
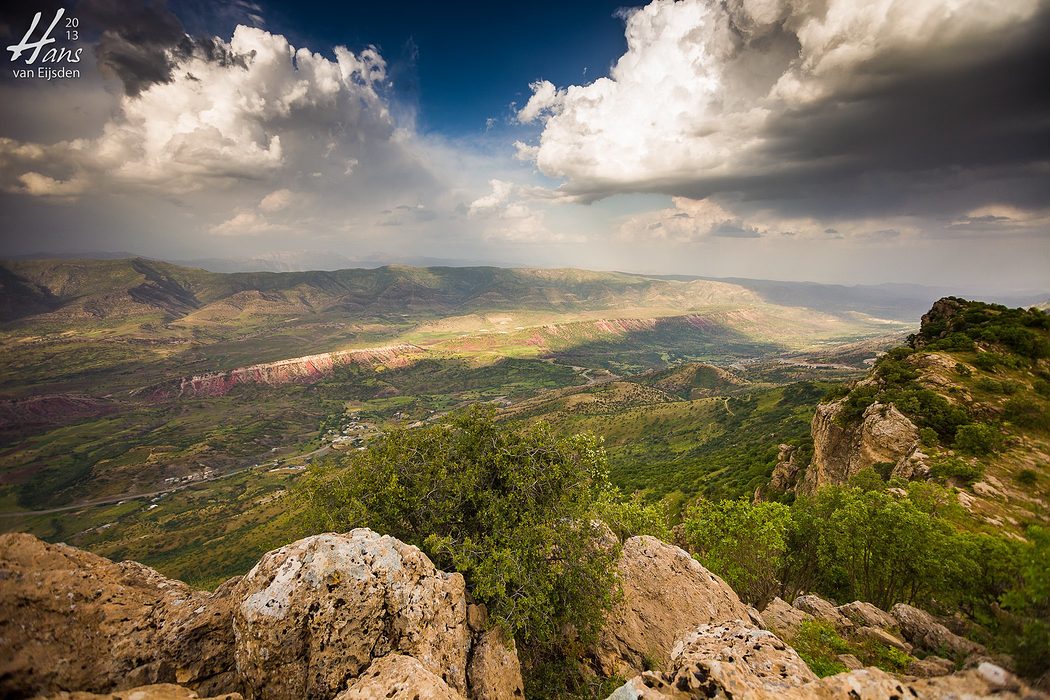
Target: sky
{"x":821,"y":140}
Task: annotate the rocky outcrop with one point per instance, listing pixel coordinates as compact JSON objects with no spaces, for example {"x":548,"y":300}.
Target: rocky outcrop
{"x":884,"y":435}
{"x":70,"y":619}
{"x":737,"y":661}
{"x":355,"y":614}
{"x":919,"y":628}
{"x":314,"y":615}
{"x":784,"y":619}
{"x":666,"y":593}
{"x":397,"y":677}
{"x":867,"y":615}
{"x":786,"y":473}
{"x":297,"y":370}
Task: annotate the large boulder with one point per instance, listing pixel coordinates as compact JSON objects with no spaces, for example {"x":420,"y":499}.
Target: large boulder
{"x":822,"y":610}
{"x":919,"y":628}
{"x":666,"y":593}
{"x":784,"y":619}
{"x":316,"y":613}
{"x":397,"y":677}
{"x":867,"y":615}
{"x":883,"y":435}
{"x":70,"y":619}
{"x":728,"y":660}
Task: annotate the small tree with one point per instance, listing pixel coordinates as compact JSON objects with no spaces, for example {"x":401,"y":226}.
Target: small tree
{"x":514,"y":511}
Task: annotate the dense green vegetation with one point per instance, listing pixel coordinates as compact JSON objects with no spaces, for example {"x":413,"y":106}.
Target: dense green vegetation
{"x":862,"y":542}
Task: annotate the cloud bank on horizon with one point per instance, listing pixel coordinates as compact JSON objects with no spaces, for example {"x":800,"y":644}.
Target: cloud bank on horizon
{"x":822,"y":139}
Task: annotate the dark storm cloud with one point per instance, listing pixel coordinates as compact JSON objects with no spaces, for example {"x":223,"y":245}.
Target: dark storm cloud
{"x":940,"y":122}
{"x":143,"y":44}
{"x":912,"y":110}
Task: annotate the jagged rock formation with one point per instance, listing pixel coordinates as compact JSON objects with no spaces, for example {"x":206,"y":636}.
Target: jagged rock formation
{"x":665,"y":594}
{"x":884,"y":435}
{"x":785,"y":474}
{"x":311,"y":620}
{"x":73,"y":620}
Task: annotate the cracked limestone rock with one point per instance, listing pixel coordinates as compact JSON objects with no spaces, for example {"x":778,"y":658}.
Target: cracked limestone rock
{"x":316,"y":613}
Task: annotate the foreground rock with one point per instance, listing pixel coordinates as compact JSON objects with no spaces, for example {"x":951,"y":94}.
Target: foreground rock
{"x":784,"y":619}
{"x":317,"y":612}
{"x":323,"y":616}
{"x":397,"y":677}
{"x":666,"y":593}
{"x":70,"y":619}
{"x":738,"y":662}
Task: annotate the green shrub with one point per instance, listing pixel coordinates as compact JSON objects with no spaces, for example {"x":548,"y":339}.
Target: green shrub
{"x":928,"y":437}
{"x":1029,"y":641}
{"x":954,"y":342}
{"x":962,"y":370}
{"x":1027,"y":477}
{"x":857,"y":401}
{"x":948,"y":467}
{"x":633,"y":516}
{"x":1042,"y":387}
{"x":978,"y":439}
{"x":873,"y":478}
{"x":987,"y":361}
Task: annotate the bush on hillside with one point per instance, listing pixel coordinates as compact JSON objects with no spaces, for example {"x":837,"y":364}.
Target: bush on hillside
{"x":978,"y":439}
{"x":944,"y":467}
